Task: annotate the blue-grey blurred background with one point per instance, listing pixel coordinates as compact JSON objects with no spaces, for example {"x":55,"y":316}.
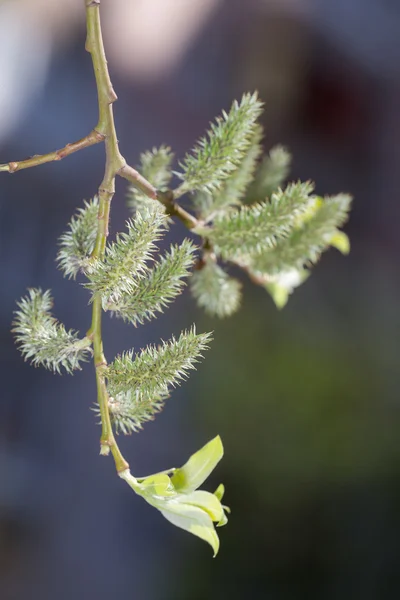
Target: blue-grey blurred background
{"x":306,"y":400}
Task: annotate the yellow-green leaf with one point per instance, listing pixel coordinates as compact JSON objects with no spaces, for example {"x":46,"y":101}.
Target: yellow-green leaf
{"x":220,"y":491}
{"x":177,"y":499}
{"x":158,"y":484}
{"x":341,"y":242}
{"x":223,"y":521}
{"x":199,"y":466}
{"x":194,"y":520}
{"x":204,"y":500}
{"x":282,"y":285}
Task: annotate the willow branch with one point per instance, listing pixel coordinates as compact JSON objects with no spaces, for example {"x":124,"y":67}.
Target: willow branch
{"x":105,"y":132}
{"x":94,"y":137}
{"x":114,"y":163}
{"x":138,"y":181}
{"x":175,"y":210}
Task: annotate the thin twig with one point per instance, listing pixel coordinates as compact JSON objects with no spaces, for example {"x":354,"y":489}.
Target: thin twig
{"x":94,"y":137}
{"x":138,"y":181}
{"x":166,"y":198}
{"x":175,"y":210}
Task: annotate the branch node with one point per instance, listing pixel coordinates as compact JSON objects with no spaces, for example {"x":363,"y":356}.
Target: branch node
{"x":100,"y":364}
{"x":112,"y":96}
{"x":63,"y":152}
{"x":105,"y":449}
{"x":106,"y":192}
{"x":124,"y":468}
{"x":138,"y":181}
{"x":98,"y":135}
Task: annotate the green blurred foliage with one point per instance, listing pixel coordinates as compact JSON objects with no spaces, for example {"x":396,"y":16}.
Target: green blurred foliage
{"x":305,"y":401}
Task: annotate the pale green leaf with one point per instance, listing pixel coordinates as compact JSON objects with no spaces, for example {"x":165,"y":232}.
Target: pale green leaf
{"x":220,"y":491}
{"x":280,"y":286}
{"x":205,"y":500}
{"x":179,"y":501}
{"x":341,"y":242}
{"x":157,"y":485}
{"x":223,"y":521}
{"x":199,"y":466}
{"x":194,"y":520}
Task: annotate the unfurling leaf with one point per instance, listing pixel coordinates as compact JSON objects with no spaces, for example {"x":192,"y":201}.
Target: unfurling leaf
{"x":199,"y":466}
{"x":219,"y":154}
{"x":179,"y":500}
{"x":341,"y":242}
{"x":215,"y":291}
{"x":42,"y":339}
{"x":77,"y":243}
{"x":280,"y":286}
{"x":194,"y":519}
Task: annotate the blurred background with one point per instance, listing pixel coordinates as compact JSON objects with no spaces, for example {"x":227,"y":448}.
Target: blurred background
{"x":306,"y":399}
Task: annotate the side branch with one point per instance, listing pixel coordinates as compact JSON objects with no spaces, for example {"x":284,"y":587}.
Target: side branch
{"x":138,"y":181}
{"x":175,"y":210}
{"x":165,"y":198}
{"x":94,"y":137}
{"x":114,"y":163}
